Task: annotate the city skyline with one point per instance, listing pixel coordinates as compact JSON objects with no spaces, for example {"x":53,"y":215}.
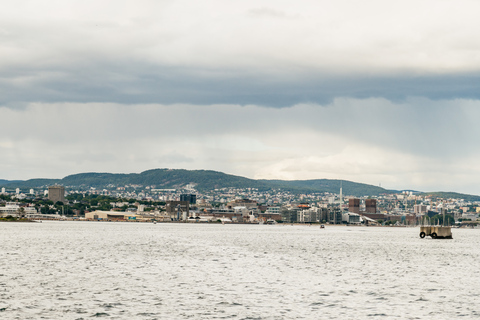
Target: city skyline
{"x":371,"y":92}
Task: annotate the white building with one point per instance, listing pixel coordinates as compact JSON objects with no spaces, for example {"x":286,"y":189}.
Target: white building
{"x":350,"y":217}
{"x":13,"y":209}
{"x":472,"y":216}
{"x":273,"y":210}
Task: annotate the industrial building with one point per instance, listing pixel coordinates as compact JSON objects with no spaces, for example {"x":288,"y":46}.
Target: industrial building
{"x":108,"y":215}
{"x":178,"y":210}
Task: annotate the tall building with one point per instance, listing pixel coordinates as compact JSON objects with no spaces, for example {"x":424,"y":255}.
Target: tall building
{"x":371,"y":205}
{"x":354,"y":205}
{"x":56,"y":193}
{"x":191,"y":198}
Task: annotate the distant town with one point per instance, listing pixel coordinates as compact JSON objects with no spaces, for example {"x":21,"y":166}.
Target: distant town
{"x":231,"y":205}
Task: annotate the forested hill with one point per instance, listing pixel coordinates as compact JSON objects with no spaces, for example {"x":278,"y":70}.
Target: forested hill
{"x":207,"y":180}
{"x":203,"y":179}
{"x":452,"y":195}
{"x":333,"y":186}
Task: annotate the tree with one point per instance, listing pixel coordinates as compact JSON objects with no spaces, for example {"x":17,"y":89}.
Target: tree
{"x":21,"y":212}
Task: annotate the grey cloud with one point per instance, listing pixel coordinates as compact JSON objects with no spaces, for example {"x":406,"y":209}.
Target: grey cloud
{"x":170,"y":52}
{"x":169,"y":85}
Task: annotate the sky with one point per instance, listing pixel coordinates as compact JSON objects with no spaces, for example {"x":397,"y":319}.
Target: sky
{"x":384,"y":93}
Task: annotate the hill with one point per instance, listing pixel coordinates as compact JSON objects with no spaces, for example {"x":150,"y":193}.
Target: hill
{"x":206,"y":180}
{"x":452,"y":195}
{"x":203,"y":179}
{"x":333,"y":186}
{"x":7,"y":182}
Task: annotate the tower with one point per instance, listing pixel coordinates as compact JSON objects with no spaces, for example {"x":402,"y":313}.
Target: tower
{"x":56,"y":193}
{"x":354,"y":205}
{"x":341,"y":196}
{"x":371,"y":206}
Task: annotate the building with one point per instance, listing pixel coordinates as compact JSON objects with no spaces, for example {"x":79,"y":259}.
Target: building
{"x":289,"y":214}
{"x":371,"y":206}
{"x":191,"y":198}
{"x":242,"y":203}
{"x":351,"y":218}
{"x":375,"y":216}
{"x":14,"y":209}
{"x":335,"y":216}
{"x":178,"y":210}
{"x":109,"y":215}
{"x":56,"y":193}
{"x":354,"y":205}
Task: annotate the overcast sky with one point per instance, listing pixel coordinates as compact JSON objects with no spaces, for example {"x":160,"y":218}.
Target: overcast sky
{"x":375,"y":92}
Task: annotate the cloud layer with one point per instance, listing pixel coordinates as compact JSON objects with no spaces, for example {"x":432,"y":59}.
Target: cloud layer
{"x":272,"y":53}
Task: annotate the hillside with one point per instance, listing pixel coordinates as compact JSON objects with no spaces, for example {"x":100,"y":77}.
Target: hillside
{"x":7,"y":182}
{"x":204,"y":180}
{"x":333,"y":186}
{"x":453,"y":195}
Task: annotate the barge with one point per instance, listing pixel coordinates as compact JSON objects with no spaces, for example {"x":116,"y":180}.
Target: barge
{"x":436,"y":232}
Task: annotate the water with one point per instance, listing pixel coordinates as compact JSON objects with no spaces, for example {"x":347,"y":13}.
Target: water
{"x":83,"y":270}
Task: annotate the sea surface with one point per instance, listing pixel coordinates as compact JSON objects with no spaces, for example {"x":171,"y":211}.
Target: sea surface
{"x":85,"y":270}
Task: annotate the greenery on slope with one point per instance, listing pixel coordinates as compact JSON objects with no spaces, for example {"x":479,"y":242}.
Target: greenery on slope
{"x":7,"y":182}
{"x":203,"y":179}
{"x":452,"y":195}
{"x":333,"y":186}
{"x":207,"y":180}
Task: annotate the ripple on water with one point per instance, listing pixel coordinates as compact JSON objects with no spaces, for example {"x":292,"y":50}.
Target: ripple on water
{"x":177,"y":271}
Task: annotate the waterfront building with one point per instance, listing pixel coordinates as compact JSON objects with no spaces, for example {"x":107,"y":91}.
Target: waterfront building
{"x":14,"y":209}
{"x":10,"y":209}
{"x":335,"y":216}
{"x":351,"y":218}
{"x":109,"y":215}
{"x":178,"y":210}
